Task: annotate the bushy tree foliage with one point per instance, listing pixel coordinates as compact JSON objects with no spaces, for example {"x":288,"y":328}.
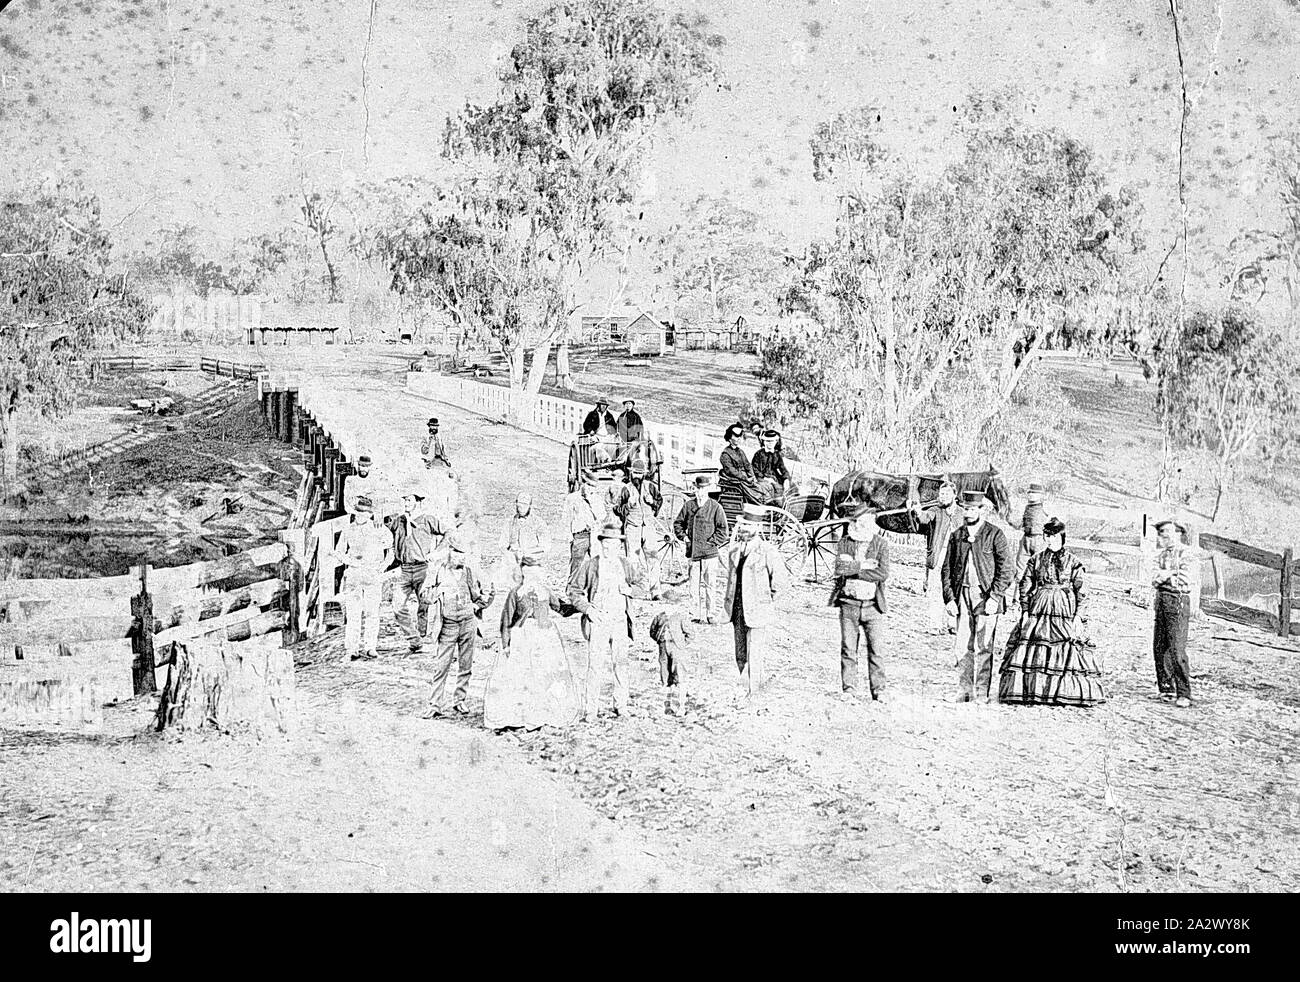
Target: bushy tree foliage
{"x":1229,"y":386}
{"x":567,"y":137}
{"x":721,"y":259}
{"x":913,"y":324}
{"x":59,"y":301}
{"x":1268,"y":252}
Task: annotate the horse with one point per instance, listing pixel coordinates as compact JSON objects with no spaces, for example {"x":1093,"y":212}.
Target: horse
{"x":891,"y":494}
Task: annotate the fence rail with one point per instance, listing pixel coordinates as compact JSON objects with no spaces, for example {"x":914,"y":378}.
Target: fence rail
{"x":1283,"y":562}
{"x":68,"y":646}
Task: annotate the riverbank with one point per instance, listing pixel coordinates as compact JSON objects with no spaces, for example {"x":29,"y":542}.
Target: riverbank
{"x":107,"y":486}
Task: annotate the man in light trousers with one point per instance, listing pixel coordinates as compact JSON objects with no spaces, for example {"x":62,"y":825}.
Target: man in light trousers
{"x":365,"y":548}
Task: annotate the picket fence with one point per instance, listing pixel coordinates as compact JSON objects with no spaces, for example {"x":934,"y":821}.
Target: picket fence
{"x":682,"y":449}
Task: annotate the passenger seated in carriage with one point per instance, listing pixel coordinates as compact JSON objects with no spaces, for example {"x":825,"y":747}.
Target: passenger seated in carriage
{"x":736,"y":472}
{"x":599,"y":433}
{"x":769,"y":467}
{"x":630,"y":426}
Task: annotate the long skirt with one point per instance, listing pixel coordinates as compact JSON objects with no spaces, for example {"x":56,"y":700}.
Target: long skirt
{"x":1045,"y":663}
{"x":531,"y":685}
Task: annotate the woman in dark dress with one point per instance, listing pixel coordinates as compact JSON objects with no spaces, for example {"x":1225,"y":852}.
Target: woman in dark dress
{"x":1047,"y":661}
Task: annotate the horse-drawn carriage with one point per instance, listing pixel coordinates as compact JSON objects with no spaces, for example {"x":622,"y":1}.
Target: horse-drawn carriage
{"x":808,"y":522}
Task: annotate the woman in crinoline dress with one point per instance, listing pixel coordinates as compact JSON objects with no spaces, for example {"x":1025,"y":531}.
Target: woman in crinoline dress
{"x":1047,"y":661}
{"x":531,"y":684}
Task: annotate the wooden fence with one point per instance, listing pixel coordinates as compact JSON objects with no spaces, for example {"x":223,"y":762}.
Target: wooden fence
{"x":181,"y":362}
{"x":67,"y":646}
{"x":1287,"y":568}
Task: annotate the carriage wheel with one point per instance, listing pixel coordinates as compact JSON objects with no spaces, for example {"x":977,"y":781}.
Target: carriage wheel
{"x":794,"y":545}
{"x":574,"y":473}
{"x":671,"y":552}
{"x":821,"y":546}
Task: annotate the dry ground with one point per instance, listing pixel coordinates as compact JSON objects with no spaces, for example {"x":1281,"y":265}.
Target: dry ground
{"x":798,"y":791}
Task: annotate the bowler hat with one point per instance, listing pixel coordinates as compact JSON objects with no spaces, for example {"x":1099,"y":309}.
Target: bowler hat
{"x":363,"y":460}
{"x":706,"y":482}
{"x":433,"y":421}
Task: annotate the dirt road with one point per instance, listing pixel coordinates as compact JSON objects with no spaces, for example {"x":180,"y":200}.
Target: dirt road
{"x":800,"y":791}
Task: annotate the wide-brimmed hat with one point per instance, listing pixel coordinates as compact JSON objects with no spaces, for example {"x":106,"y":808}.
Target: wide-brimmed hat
{"x":602,"y":400}
{"x":610,"y":530}
{"x":363,"y":504}
{"x":970,"y":499}
{"x":629,"y":402}
{"x":1176,"y":523}
{"x":752,"y":513}
{"x":459,"y":541}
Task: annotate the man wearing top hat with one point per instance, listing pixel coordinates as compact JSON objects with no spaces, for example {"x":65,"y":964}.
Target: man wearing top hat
{"x":755,"y":577}
{"x":702,"y":525}
{"x":432,"y":449}
{"x":602,"y":591}
{"x":1031,"y":523}
{"x":1173,"y":581}
{"x":977,"y":571}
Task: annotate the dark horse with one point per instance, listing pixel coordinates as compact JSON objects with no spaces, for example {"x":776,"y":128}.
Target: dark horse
{"x":892,"y":492}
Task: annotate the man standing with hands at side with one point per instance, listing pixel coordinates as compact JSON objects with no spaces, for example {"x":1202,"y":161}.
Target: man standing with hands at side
{"x":861,"y":569}
{"x":977,"y":571}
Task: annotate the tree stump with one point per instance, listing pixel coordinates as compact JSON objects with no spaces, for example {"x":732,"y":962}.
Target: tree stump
{"x":233,"y":686}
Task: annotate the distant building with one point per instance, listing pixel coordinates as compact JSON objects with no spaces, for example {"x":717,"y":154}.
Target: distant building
{"x":646,"y":336}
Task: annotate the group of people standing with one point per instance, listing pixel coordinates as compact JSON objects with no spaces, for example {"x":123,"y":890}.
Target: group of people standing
{"x":1048,"y":658}
{"x":735,"y":575}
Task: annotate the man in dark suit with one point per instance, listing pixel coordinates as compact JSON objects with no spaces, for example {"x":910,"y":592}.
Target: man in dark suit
{"x":598,"y":419}
{"x":861,"y":568}
{"x":977,"y":570}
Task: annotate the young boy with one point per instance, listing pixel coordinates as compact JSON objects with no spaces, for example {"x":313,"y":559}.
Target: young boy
{"x":671,"y":630}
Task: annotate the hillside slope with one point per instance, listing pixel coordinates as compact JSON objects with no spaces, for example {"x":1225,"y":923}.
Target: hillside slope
{"x":188,"y":111}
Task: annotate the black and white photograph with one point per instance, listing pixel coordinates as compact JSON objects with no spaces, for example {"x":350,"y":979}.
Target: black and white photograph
{"x":651,"y":446}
